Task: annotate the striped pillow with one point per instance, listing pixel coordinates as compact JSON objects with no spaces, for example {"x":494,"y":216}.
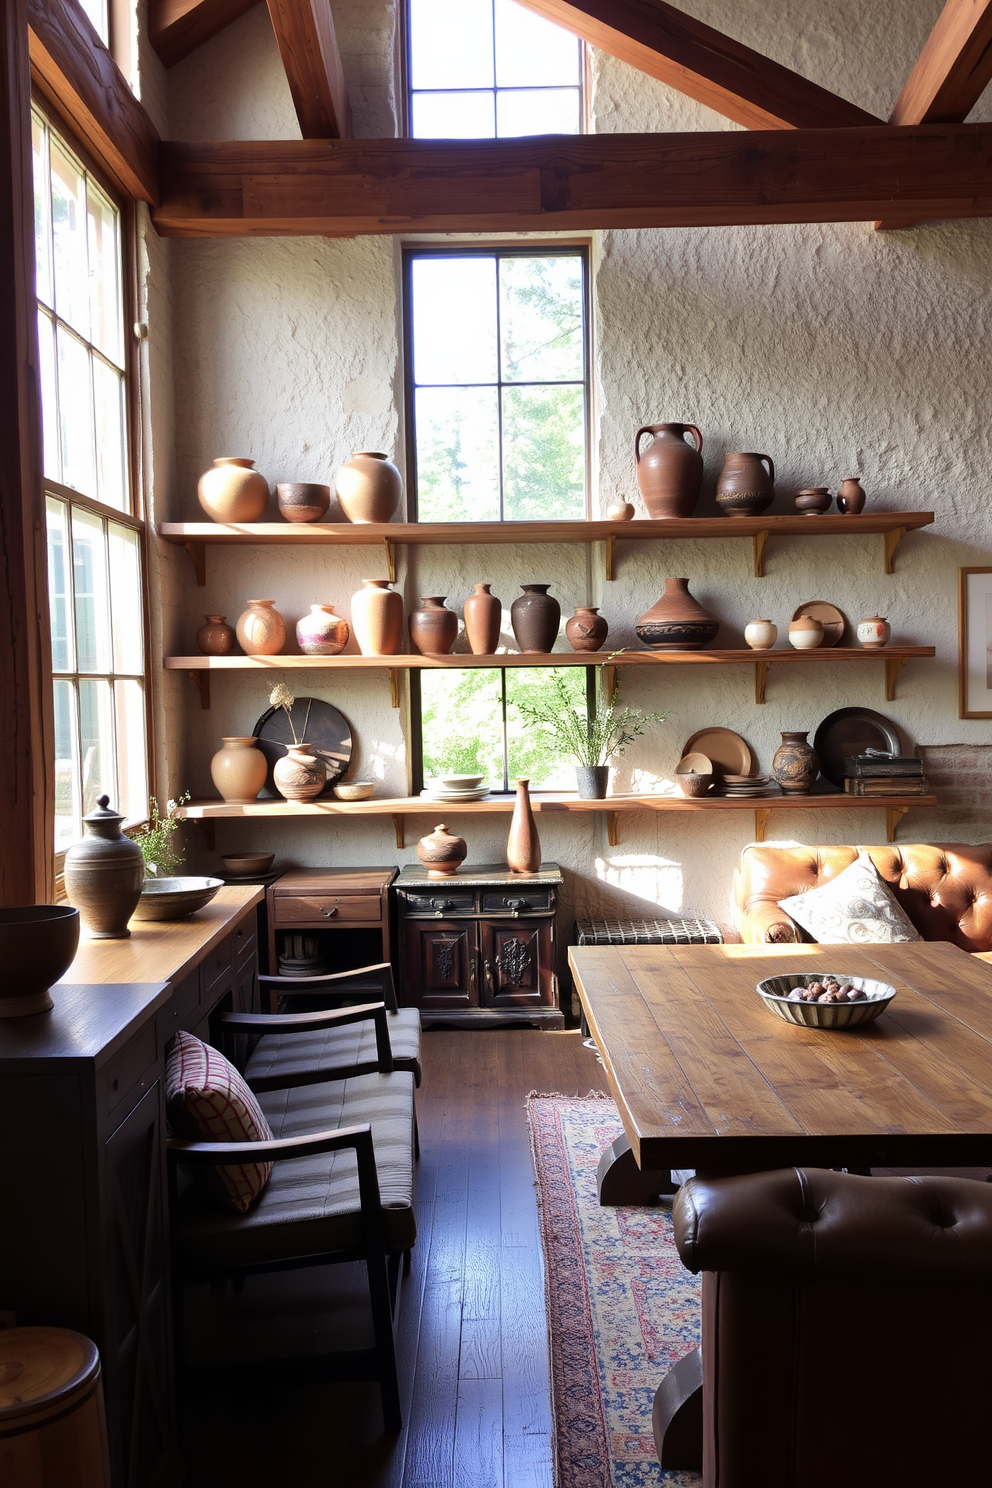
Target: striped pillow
{"x":206,"y":1100}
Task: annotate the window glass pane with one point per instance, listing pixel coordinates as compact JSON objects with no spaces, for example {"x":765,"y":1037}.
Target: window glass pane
{"x":97,"y":12}
{"x":451,"y":44}
{"x":105,"y":273}
{"x":49,"y":396}
{"x":457,"y":454}
{"x":462,"y":722}
{"x":541,"y":319}
{"x":531,"y":751}
{"x":42,"y":204}
{"x":531,"y":51}
{"x":111,"y":440}
{"x":96,"y":735}
{"x":132,"y":769}
{"x":125,"y":598}
{"x":537,"y":111}
{"x":89,"y":574}
{"x":454,"y":320}
{"x":543,"y":453}
{"x":453,"y":116}
{"x":59,"y":595}
{"x":76,"y":420}
{"x":68,"y":824}
{"x":72,"y":300}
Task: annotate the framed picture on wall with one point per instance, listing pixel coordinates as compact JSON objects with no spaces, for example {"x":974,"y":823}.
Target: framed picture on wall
{"x":975,"y":642}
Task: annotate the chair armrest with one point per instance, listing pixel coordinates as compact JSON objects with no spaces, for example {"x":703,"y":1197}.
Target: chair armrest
{"x":762,"y":922}
{"x":303,"y":986}
{"x":311,"y":1144}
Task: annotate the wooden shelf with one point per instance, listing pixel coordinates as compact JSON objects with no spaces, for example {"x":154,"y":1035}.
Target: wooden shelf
{"x":195,"y":537}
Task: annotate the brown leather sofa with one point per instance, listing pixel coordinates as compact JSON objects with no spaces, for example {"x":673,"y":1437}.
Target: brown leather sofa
{"x":845,"y":1328}
{"x":945,"y":888}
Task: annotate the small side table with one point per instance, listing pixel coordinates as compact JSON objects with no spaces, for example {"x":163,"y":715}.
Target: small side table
{"x":349,"y":907}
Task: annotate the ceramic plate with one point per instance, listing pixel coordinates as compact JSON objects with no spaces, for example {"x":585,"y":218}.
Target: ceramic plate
{"x":852,"y":731}
{"x":320,"y":724}
{"x":451,"y":798}
{"x":830,"y":617}
{"x":729,"y":752}
{"x":694,"y":764}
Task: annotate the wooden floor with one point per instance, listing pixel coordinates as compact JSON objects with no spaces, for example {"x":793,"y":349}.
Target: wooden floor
{"x":472,"y":1334}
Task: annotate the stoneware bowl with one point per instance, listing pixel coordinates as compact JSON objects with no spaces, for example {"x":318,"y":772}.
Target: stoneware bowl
{"x":252,"y":862}
{"x":691,"y":784}
{"x":174,"y":898}
{"x":37,"y":946}
{"x":459,"y":782}
{"x":774,"y":993}
{"x":354,"y":790}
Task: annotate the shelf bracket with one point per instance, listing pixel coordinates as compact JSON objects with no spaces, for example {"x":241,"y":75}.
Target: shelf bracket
{"x":399,"y":828}
{"x":613,"y":828}
{"x":610,"y":565}
{"x":761,"y":815}
{"x":893,"y":814}
{"x":394,"y":686}
{"x":202,"y":680}
{"x":892,"y":541}
{"x":198,"y":557}
{"x":209,"y":829}
{"x":390,"y":560}
{"x":760,"y":674}
{"x":609,"y":681}
{"x":892,"y":668}
{"x":758,"y":540}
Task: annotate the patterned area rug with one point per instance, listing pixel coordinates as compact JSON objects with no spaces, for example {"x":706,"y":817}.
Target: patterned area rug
{"x":621,"y":1306}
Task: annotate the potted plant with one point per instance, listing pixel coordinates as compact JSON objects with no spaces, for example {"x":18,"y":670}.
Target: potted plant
{"x":591,"y":740}
{"x":162,"y":851}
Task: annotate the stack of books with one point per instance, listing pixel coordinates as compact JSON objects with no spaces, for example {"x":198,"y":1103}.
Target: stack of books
{"x":875,"y":774}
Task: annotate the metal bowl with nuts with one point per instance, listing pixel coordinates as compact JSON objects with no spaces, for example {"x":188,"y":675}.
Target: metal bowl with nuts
{"x":825,"y":999}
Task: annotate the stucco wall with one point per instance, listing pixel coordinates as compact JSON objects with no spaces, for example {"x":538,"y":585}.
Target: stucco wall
{"x":836,"y":349}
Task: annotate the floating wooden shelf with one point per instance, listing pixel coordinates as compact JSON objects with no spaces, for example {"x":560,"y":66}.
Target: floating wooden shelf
{"x":196,"y":536}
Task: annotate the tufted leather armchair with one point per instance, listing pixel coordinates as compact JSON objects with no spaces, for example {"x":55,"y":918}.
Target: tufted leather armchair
{"x":845,"y":1328}
{"x":944,"y":887}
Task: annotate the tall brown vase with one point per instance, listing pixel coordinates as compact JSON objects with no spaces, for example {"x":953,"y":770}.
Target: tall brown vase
{"x":669,"y":471}
{"x":433,"y":628}
{"x":523,"y":846}
{"x":535,"y":617}
{"x":377,"y":618}
{"x":104,"y":874}
{"x":677,"y":622}
{"x":483,"y":617}
{"x":795,"y":765}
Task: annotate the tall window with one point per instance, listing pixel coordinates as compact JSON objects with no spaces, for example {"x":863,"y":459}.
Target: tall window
{"x":485,"y":68}
{"x":94,"y":535}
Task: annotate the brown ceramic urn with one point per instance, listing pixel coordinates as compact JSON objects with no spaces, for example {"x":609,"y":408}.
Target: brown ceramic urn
{"x":669,"y":471}
{"x":104,"y":874}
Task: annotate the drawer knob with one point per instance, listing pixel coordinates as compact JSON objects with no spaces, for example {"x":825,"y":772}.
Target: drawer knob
{"x":327,"y":913}
{"x":440,"y":905}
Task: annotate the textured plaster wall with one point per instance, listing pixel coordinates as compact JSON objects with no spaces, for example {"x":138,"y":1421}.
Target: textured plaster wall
{"x":835,"y":349}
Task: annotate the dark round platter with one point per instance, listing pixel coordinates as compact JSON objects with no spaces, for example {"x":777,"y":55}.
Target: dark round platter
{"x":852,"y":731}
{"x":317,"y":723}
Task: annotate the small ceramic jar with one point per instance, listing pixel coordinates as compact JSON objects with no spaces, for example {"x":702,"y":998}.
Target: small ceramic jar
{"x":813,"y":501}
{"x":874,"y":632}
{"x":620,"y":511}
{"x":805,"y":633}
{"x":760,"y":634}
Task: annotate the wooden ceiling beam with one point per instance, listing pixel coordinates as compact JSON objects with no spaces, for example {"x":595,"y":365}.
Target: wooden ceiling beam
{"x":711,"y":68}
{"x":573,"y":183}
{"x":309,"y":50}
{"x":178,"y":27}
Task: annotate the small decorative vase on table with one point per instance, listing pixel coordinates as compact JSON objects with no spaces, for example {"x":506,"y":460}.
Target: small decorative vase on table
{"x":104,"y":874}
{"x":322,"y":633}
{"x":302,"y":501}
{"x":587,"y":629}
{"x":441,"y":852}
{"x":535,"y":616}
{"x":523,"y":846}
{"x":238,"y":769}
{"x":377,"y":618}
{"x":261,"y":629}
{"x":232,"y":490}
{"x":368,"y":487}
{"x":795,"y":765}
{"x":483,"y":617}
{"x":669,"y":471}
{"x":745,"y":487}
{"x":300,"y":775}
{"x":433,"y":628}
{"x":216,"y":637}
{"x":677,"y":622}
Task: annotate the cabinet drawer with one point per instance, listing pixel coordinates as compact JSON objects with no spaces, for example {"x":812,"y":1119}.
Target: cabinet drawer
{"x":315,"y":908}
{"x":133,"y":1069}
{"x":521,"y":901}
{"x":438,"y":902}
{"x":185,"y":1000}
{"x":215,"y":968}
{"x":245,"y":944}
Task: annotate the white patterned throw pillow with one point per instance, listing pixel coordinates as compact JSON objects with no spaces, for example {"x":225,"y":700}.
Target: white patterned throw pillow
{"x":856,"y":907}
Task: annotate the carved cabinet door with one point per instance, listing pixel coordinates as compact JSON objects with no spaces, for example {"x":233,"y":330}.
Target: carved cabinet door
{"x":516,"y":963}
{"x":441,"y":964}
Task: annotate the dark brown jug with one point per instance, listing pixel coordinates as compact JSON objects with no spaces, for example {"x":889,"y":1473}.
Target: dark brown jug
{"x":669,"y":472}
{"x":745,"y":487}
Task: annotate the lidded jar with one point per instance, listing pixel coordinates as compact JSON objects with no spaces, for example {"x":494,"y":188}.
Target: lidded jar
{"x":874,"y":632}
{"x":806,"y":633}
{"x":104,"y":874}
{"x":232,"y":490}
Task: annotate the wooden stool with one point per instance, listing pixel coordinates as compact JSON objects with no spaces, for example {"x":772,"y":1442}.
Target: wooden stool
{"x":53,"y":1433}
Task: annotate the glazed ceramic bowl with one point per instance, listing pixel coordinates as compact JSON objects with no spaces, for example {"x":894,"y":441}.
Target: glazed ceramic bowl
{"x":354,"y":790}
{"x":458,"y":782}
{"x":174,"y":898}
{"x":252,"y":862}
{"x":774,"y":993}
{"x":691,"y":784}
{"x":37,"y":946}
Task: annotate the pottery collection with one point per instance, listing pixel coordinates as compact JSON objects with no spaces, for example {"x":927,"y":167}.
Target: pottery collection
{"x":746,"y":488}
{"x":535,"y":616}
{"x":232,"y":490}
{"x":441,"y":852}
{"x":677,"y":622}
{"x":795,"y":765}
{"x":37,"y":945}
{"x":433,"y":628}
{"x":669,"y":471}
{"x":760,"y":635}
{"x":238,"y":769}
{"x":301,"y":501}
{"x":215,"y":637}
{"x":300,"y":775}
{"x":368,"y":487}
{"x":851,"y":499}
{"x":806,"y":633}
{"x":104,"y":874}
{"x":523,"y":846}
{"x":377,"y":618}
{"x":874,"y":632}
{"x":813,"y":501}
{"x":620,"y":511}
{"x":261,"y":629}
{"x":322,"y":633}
{"x":483,"y":614}
{"x":587,"y":629}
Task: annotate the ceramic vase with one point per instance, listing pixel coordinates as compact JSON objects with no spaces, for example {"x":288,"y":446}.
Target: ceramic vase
{"x":238,"y":769}
{"x":232,"y":490}
{"x":813,"y":501}
{"x":523,"y":846}
{"x":300,"y":775}
{"x":806,"y":633}
{"x":368,"y":487}
{"x":677,"y":622}
{"x":620,"y":511}
{"x":433,"y":628}
{"x":301,"y":501}
{"x":760,"y":635}
{"x":535,"y":617}
{"x":591,"y":781}
{"x":38,"y":943}
{"x":216,"y":637}
{"x":441,"y":852}
{"x":322,"y":633}
{"x":669,"y":471}
{"x":104,"y":874}
{"x":377,"y":618}
{"x":261,"y":629}
{"x":746,"y":488}
{"x":795,"y":765}
{"x":483,"y":617}
{"x":851,"y":499}
{"x":874,"y":632}
{"x":587,"y":629}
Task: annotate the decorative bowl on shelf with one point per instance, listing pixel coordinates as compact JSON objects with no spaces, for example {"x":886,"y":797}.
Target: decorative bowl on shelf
{"x":774,"y":993}
{"x":174,"y":898}
{"x":251,"y":862}
{"x":458,"y":782}
{"x":354,"y":790}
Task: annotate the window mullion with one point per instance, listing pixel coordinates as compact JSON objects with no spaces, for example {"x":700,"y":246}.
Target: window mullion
{"x":499,"y":372}
{"x":506,"y":732}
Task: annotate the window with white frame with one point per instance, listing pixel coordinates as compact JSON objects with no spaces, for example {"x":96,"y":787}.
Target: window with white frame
{"x":94,"y":532}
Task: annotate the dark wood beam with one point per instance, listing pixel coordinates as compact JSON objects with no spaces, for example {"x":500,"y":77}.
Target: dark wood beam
{"x":575,"y":183}
{"x":703,"y":63}
{"x":27,"y":794}
{"x":76,"y":71}
{"x":309,"y":50}
{"x":178,"y":27}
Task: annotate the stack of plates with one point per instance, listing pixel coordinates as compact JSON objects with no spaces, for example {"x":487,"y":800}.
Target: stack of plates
{"x":436,"y":790}
{"x":740,"y":787}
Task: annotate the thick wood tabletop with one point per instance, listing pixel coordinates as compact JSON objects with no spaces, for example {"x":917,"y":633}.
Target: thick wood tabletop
{"x":706,"y":1076}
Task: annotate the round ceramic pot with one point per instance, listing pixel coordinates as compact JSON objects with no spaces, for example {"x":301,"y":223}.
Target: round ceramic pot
{"x":441,"y":852}
{"x":794,"y":764}
{"x":669,"y":471}
{"x":760,"y":635}
{"x":261,"y":629}
{"x":300,"y":775}
{"x":746,"y":488}
{"x":368,"y":487}
{"x":587,"y":629}
{"x":216,"y":637}
{"x":806,"y":633}
{"x":104,"y":874}
{"x":232,"y":490}
{"x":677,"y":622}
{"x":433,"y":628}
{"x":483,"y":614}
{"x":813,"y":501}
{"x":301,"y":501}
{"x":322,"y":633}
{"x":851,"y":499}
{"x":238,"y":769}
{"x":377,"y":618}
{"x":591,"y":781}
{"x":37,"y":946}
{"x":874,"y":632}
{"x":620,"y":511}
{"x":535,"y":617}
{"x":523,"y":846}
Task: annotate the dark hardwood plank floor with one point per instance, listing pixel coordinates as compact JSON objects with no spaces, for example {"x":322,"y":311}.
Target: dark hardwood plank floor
{"x":472,"y":1334}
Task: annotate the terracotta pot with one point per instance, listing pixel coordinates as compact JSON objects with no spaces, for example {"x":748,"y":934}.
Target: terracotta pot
{"x":677,"y":622}
{"x":745,"y":487}
{"x":216,"y":637}
{"x":483,"y":617}
{"x":238,"y":769}
{"x":368,"y":487}
{"x":300,"y":501}
{"x":806,"y":633}
{"x":535,"y":617}
{"x":441,"y":852}
{"x":760,"y":634}
{"x":261,"y":629}
{"x":523,"y":846}
{"x":851,"y":499}
{"x":104,"y":874}
{"x":620,"y":511}
{"x":433,"y":628}
{"x":813,"y":501}
{"x":669,"y":472}
{"x":322,"y":633}
{"x":377,"y":618}
{"x":233,"y":491}
{"x":587,"y":629}
{"x":37,"y":946}
{"x":591,"y":781}
{"x":794,"y":764}
{"x":300,"y":775}
{"x":874,"y":632}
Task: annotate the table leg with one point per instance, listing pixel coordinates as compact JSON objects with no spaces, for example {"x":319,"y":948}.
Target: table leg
{"x":621,"y":1181}
{"x":677,"y":1418}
